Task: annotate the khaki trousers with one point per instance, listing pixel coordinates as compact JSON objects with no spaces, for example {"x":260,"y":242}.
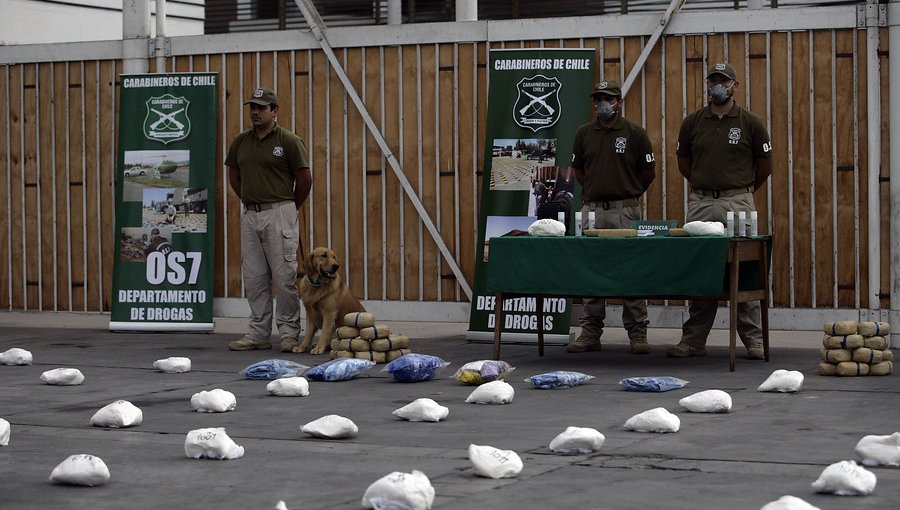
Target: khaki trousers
{"x":269,"y":241}
{"x":634,"y":311}
{"x":696,"y":329}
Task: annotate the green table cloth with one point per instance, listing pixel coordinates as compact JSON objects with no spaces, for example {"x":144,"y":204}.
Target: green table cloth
{"x":612,"y":267}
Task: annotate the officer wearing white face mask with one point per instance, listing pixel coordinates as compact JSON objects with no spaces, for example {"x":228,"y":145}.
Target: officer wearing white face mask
{"x":614,"y":163}
{"x":724,"y":152}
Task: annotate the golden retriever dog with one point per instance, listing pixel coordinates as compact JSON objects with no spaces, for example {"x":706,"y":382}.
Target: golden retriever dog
{"x":326,"y":298}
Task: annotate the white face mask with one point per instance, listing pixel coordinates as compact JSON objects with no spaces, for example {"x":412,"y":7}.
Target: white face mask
{"x":605,"y":110}
{"x":719,"y":93}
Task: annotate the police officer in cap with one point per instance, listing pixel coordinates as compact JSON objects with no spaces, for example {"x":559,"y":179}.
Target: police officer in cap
{"x":724,"y":152}
{"x":614,"y":163}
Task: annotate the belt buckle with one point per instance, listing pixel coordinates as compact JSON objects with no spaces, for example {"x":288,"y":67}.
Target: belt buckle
{"x":715,"y":193}
{"x":253,"y":207}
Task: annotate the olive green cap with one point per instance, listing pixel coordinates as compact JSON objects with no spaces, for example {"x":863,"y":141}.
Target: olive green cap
{"x":607,"y":87}
{"x":263,"y":97}
{"x":723,"y":68}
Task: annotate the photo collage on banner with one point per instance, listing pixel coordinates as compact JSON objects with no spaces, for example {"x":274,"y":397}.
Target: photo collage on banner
{"x":537,"y":100}
{"x":165,"y":196}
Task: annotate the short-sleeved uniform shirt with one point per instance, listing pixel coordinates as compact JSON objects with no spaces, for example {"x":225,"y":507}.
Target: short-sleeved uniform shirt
{"x":723,"y":151}
{"x":267,"y":166}
{"x":612,"y":159}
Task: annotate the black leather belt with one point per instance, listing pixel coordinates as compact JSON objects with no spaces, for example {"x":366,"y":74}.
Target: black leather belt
{"x":716,"y":193}
{"x":264,"y":207}
{"x":606,"y":204}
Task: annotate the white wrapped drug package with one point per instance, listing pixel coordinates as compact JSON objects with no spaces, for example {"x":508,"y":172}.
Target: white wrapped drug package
{"x":173,"y":365}
{"x":211,"y":443}
{"x":788,"y":503}
{"x":214,"y":401}
{"x":547,"y":227}
{"x":422,"y":409}
{"x":783,"y":381}
{"x":494,"y":392}
{"x":331,"y":426}
{"x":709,"y":401}
{"x":119,"y":414}
{"x":4,"y":432}
{"x":289,"y":387}
{"x":399,"y":490}
{"x":63,"y":377}
{"x":655,"y":420}
{"x":845,"y":478}
{"x":491,"y":462}
{"x":16,"y":356}
{"x":577,"y":440}
{"x":879,"y":450}
{"x":704,"y":228}
{"x":81,"y":469}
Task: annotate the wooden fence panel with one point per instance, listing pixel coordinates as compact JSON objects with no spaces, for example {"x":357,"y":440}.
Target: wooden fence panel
{"x":355,"y":260}
{"x":858,"y":207}
{"x":6,"y":190}
{"x":448,"y":166}
{"x":410,"y":227}
{"x":92,"y":186}
{"x":375,"y":172}
{"x":58,"y":159}
{"x":31,"y":178}
{"x":101,"y":223}
{"x":429,"y":172}
{"x":79,"y":212}
{"x":55,"y":179}
{"x":393,"y":198}
{"x":824,"y":245}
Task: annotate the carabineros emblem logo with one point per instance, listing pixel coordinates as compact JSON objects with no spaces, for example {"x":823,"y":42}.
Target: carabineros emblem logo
{"x":537,"y":105}
{"x":167,"y":119}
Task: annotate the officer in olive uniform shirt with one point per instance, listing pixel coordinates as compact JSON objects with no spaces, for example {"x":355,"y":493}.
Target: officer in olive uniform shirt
{"x":268,"y":169}
{"x":724,"y":152}
{"x":614,"y":163}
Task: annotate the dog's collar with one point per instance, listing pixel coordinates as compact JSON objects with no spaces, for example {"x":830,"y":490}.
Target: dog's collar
{"x":311,"y":282}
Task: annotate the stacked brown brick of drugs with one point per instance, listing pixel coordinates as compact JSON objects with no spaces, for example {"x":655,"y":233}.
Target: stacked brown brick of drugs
{"x":362,"y":338}
{"x":854,"y":349}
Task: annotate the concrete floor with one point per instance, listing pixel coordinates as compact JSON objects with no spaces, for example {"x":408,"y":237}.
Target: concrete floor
{"x":768,"y":446}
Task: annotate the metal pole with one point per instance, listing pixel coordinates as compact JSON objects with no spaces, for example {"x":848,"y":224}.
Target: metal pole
{"x":315,"y":23}
{"x":394,"y":12}
{"x":160,"y":36}
{"x":466,"y":10}
{"x":674,"y":6}
{"x":873,"y":107}
{"x":135,"y":36}
{"x":894,"y":255}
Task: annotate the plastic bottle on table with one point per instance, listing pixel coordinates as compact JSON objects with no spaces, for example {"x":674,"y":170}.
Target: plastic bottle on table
{"x":754,"y":224}
{"x":741,"y":225}
{"x":729,"y":223}
{"x":578,"y":230}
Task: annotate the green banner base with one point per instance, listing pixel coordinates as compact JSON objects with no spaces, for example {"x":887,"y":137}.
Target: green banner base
{"x":186,"y":327}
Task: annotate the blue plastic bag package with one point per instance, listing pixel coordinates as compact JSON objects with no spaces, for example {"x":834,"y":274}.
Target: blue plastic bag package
{"x":339,"y":369}
{"x":558,"y":379}
{"x":657,"y":383}
{"x":414,"y":367}
{"x":273,"y":369}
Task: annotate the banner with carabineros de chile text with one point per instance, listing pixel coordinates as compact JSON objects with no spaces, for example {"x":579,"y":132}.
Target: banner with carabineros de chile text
{"x":536,"y":101}
{"x":165,"y":203}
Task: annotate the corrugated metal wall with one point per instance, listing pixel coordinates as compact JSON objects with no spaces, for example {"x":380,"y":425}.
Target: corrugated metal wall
{"x":58,"y":153}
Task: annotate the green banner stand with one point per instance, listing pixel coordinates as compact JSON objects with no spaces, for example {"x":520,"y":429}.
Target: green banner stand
{"x":537,"y":100}
{"x":165,"y":203}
